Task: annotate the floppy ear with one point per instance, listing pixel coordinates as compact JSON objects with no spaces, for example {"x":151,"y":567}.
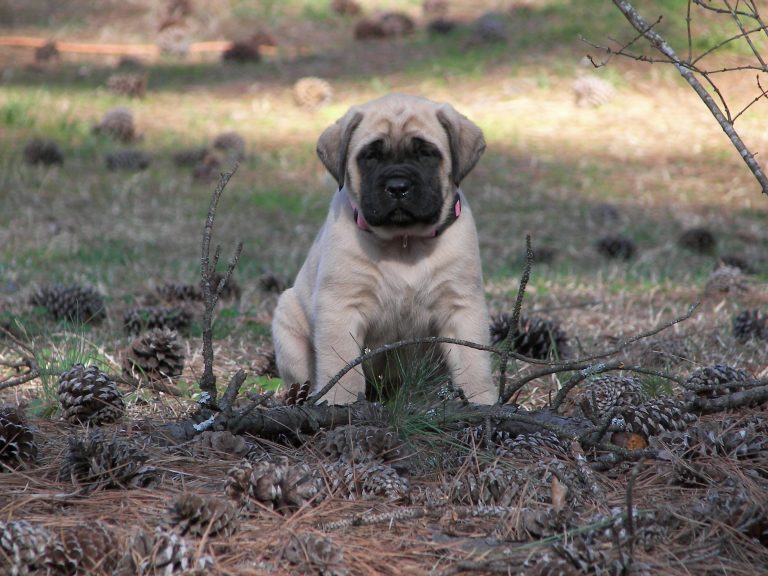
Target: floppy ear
{"x":333,"y":144}
{"x":466,"y":141}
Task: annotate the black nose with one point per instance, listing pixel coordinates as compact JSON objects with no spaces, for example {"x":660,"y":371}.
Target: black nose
{"x":397,"y":187}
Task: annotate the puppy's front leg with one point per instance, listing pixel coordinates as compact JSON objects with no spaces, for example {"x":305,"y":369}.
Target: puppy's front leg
{"x":470,"y":368}
{"x":339,"y":336}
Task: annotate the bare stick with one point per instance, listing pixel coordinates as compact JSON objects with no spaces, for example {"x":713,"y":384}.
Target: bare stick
{"x":21,"y":379}
{"x":641,"y":25}
{"x":588,"y":363}
{"x":515,"y":323}
{"x":211,"y":296}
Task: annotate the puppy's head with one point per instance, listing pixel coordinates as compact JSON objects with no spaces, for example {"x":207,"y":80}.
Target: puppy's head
{"x":401,"y":159}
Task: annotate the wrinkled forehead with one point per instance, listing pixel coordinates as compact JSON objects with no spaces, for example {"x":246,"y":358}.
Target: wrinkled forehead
{"x":397,"y":124}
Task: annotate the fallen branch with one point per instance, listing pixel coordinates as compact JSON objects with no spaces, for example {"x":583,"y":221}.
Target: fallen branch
{"x":294,"y":420}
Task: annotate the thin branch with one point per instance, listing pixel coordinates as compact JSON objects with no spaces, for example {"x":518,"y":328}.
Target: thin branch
{"x":763,"y":94}
{"x":410,"y":342}
{"x":21,"y":379}
{"x":641,"y":25}
{"x":588,"y":363}
{"x":688,"y":21}
{"x":210,"y":297}
{"x":514,"y":325}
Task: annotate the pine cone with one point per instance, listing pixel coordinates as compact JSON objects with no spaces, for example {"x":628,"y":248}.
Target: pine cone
{"x":17,"y":441}
{"x":590,"y":91}
{"x":441,"y":26}
{"x":140,"y":319}
{"x":132,"y":85}
{"x":44,"y":152}
{"x":89,"y":396}
{"x":734,"y":506}
{"x":189,"y":157}
{"x":346,"y":7}
{"x":163,"y":554}
{"x":490,"y":28}
{"x":74,"y":303}
{"x":83,"y":549}
{"x":312,"y":92}
{"x":396,"y":24}
{"x":367,"y":29}
{"x":730,"y":437}
{"x":47,"y":52}
{"x":265,"y":364}
{"x":117,"y":123}
{"x":207,"y":168}
{"x":231,"y":144}
{"x":435,"y":8}
{"x":658,"y":415}
{"x":598,"y":396}
{"x":232,"y":290}
{"x":175,"y":38}
{"x":536,"y":337}
{"x":129,"y":160}
{"x":710,"y":381}
{"x":95,"y":461}
{"x":535,"y":445}
{"x":175,"y":293}
{"x":616,"y":246}
{"x":221,"y":441}
{"x":278,"y":485}
{"x":241,"y":52}
{"x":272,"y":283}
{"x":487,"y":487}
{"x":699,"y":240}
{"x":663,"y":351}
{"x":725,"y":280}
{"x":361,"y":444}
{"x":297,"y":394}
{"x":23,"y":547}
{"x":197,"y":515}
{"x":154,"y":356}
{"x":365,"y":480}
{"x":130,"y":63}
{"x":604,"y":215}
{"x":750,"y":324}
{"x":735,"y":261}
{"x":312,"y":554}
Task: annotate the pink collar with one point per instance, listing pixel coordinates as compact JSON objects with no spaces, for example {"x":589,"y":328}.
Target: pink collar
{"x":363,"y":225}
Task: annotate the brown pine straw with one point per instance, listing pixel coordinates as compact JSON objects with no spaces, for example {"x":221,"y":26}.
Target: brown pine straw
{"x":448,"y":540}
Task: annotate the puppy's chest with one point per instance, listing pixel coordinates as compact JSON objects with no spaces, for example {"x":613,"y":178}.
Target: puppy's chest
{"x":407,"y":299}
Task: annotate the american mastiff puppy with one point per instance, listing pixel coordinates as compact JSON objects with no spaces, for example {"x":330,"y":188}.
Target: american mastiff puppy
{"x":397,"y":256}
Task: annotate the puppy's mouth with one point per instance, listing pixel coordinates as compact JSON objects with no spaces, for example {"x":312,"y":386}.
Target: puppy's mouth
{"x":399,"y":216}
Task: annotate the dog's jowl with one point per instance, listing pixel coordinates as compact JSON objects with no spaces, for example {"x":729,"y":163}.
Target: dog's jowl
{"x":397,"y":257}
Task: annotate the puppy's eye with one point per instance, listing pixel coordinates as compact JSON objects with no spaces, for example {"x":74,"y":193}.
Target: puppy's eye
{"x":424,"y":149}
{"x":374,"y":151}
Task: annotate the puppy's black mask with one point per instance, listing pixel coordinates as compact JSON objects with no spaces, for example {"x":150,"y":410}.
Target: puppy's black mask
{"x":400,"y":184}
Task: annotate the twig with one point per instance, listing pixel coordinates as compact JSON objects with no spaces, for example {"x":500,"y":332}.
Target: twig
{"x":641,"y":25}
{"x":410,"y":342}
{"x":16,"y":380}
{"x":630,"y":518}
{"x":587,"y":363}
{"x":756,"y":395}
{"x":506,"y":346}
{"x":368,"y":519}
{"x":211,"y":297}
